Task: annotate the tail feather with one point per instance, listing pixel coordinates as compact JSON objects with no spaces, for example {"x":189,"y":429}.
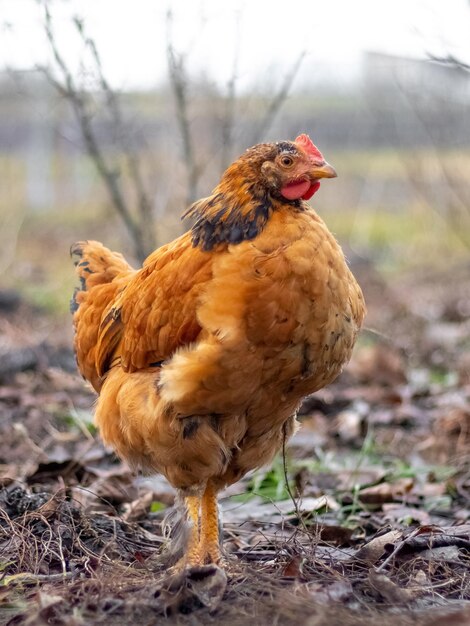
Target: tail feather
{"x":102,"y":274}
{"x":95,"y":265}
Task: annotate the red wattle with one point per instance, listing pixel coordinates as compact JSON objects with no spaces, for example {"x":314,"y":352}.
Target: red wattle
{"x":296,"y":190}
{"x":302,"y":189}
{"x":314,"y":187}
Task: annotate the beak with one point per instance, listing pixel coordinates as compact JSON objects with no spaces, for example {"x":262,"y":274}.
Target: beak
{"x":323,"y":170}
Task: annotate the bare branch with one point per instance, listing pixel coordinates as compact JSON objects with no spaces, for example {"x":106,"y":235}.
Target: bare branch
{"x":80,"y":102}
{"x":228,"y":122}
{"x":458,"y":212}
{"x":450,"y":61}
{"x":179,"y":83}
{"x":133,"y":162}
{"x":279,"y":98}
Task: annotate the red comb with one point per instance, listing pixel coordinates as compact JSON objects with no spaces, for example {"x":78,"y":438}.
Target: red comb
{"x":310,"y":148}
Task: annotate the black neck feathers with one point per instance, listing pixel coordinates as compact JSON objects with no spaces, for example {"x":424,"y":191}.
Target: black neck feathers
{"x":220,"y":219}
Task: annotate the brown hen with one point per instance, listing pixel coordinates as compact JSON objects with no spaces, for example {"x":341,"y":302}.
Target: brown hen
{"x":202,"y":356}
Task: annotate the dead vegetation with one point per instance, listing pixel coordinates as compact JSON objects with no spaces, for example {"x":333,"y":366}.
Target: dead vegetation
{"x":379,"y":532}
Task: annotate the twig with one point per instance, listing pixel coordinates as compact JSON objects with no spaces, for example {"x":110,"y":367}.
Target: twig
{"x":179,"y":83}
{"x":461,"y":198}
{"x":279,"y":98}
{"x":286,"y":478}
{"x":133,"y":162}
{"x":79,"y":101}
{"x":228,"y":121}
{"x":28,"y":577}
{"x":450,"y":61}
{"x":399,"y":547}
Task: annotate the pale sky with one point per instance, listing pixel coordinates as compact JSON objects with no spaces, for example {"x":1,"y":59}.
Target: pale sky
{"x":131,"y":35}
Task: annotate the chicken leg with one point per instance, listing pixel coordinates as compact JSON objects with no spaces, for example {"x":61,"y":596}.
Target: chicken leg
{"x":193,"y":553}
{"x":203,"y":544}
{"x":209,"y":547}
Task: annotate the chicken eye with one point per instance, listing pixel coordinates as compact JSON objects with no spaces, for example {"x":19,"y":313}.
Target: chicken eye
{"x":287,"y":161}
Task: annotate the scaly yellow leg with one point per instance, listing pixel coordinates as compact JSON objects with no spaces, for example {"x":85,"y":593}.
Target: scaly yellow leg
{"x":209,"y":548}
{"x":193,"y":556}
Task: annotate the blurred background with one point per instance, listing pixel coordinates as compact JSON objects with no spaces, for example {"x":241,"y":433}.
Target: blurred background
{"x":115,"y":116}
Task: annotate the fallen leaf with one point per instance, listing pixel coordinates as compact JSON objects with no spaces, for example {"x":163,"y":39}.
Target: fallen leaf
{"x":50,"y":508}
{"x":115,"y":488}
{"x":445,"y":553}
{"x":374,"y":549}
{"x":325,"y":595}
{"x":429,"y":541}
{"x":338,"y":535}
{"x":386,"y":492}
{"x":390,"y":591}
{"x":293,"y":568}
{"x":258,"y":509}
{"x":347,"y":479}
{"x":137,"y":508}
{"x":380,"y":364}
{"x":400,"y":512}
{"x":349,"y":425}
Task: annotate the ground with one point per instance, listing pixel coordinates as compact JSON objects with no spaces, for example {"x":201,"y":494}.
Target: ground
{"x":373,"y":527}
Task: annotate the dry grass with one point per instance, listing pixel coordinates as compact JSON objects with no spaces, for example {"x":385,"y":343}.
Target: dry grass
{"x":62,"y":566}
